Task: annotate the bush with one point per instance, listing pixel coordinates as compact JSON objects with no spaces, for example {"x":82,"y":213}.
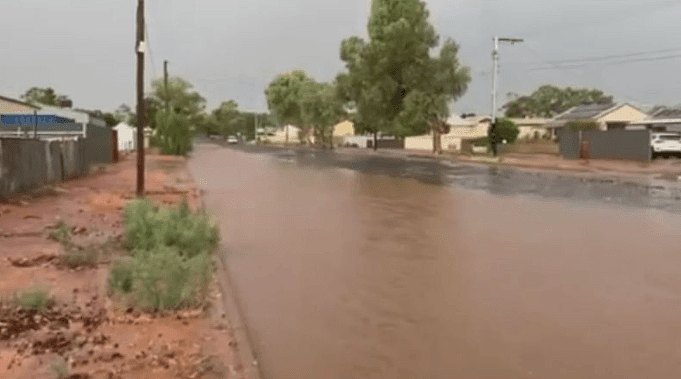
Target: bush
{"x":121,"y":277}
{"x":505,"y":130}
{"x":582,"y":125}
{"x":170,"y":265}
{"x":147,"y":227}
{"x":174,"y":136}
{"x":60,"y":232}
{"x":36,"y":299}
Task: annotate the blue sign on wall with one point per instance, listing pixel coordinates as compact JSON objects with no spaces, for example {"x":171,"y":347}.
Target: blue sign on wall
{"x":23,"y":119}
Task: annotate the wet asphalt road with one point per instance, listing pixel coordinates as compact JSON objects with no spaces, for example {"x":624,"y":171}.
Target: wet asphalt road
{"x":641,"y":193}
{"x":350,"y":266}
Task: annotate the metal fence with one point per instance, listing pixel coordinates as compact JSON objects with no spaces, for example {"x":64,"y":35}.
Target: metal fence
{"x":611,"y":144}
{"x":28,"y":163}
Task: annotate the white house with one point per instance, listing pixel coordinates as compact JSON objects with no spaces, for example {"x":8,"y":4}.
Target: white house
{"x":460,"y":129}
{"x":127,"y":136}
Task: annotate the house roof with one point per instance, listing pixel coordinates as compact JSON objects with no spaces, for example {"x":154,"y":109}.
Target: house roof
{"x":18,"y":102}
{"x":468,"y":121}
{"x":666,"y":113}
{"x":529,"y":121}
{"x":586,"y":112}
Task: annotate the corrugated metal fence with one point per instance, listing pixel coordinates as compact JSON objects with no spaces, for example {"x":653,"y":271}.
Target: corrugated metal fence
{"x":611,"y":144}
{"x":26,"y":164}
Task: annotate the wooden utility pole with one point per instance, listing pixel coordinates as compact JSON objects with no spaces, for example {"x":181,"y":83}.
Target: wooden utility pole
{"x":165,"y":84}
{"x":139,"y":48}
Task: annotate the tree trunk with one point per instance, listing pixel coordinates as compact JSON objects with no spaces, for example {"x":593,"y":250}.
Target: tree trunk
{"x":375,"y":141}
{"x":331,"y":139}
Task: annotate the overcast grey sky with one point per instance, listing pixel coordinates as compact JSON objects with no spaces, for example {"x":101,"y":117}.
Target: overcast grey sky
{"x":232,"y":49}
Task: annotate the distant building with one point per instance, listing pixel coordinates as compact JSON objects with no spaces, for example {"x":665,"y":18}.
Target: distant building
{"x":661,"y":119}
{"x":531,"y":127}
{"x":126,"y":135}
{"x":461,"y":129}
{"x":9,"y":105}
{"x":608,"y":116}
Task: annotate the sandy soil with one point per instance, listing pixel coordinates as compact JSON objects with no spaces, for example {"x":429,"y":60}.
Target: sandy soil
{"x":83,"y":334}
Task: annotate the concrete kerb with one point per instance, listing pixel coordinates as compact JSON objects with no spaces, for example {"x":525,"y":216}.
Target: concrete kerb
{"x":230,"y":306}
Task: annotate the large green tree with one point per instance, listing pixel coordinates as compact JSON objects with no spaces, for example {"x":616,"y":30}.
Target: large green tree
{"x":173,"y":134}
{"x":394,"y":83}
{"x":322,"y":108}
{"x":548,"y":101}
{"x":284,"y":98}
{"x":226,"y":119}
{"x":179,"y":96}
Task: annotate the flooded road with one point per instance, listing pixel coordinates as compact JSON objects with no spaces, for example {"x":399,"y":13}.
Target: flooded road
{"x":361,"y":268}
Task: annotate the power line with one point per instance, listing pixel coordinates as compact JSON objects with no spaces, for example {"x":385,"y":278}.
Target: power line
{"x":676,"y":56}
{"x":151,"y":56}
{"x":608,"y":57}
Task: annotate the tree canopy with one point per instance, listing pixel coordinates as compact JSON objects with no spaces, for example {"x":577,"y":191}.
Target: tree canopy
{"x":321,"y":108}
{"x":284,"y":97}
{"x":180,"y":96}
{"x":506,"y":130}
{"x":548,"y":101}
{"x":46,"y":96}
{"x":394,"y":83}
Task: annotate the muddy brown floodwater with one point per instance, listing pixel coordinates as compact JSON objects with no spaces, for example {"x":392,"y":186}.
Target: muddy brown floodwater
{"x":349,"y":275}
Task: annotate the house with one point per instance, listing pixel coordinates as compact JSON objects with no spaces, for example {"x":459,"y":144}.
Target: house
{"x":460,"y":129}
{"x":344,"y":129}
{"x":608,"y":116}
{"x":661,"y":119}
{"x":73,"y":122}
{"x":531,"y":127}
{"x":9,"y":105}
{"x":127,"y":135}
{"x":283,"y":134}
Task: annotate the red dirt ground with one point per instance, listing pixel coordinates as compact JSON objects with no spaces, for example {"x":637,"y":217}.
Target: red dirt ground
{"x":84,"y":330}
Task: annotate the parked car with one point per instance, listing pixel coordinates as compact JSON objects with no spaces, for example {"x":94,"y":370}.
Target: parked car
{"x":232,"y":140}
{"x":665,"y":144}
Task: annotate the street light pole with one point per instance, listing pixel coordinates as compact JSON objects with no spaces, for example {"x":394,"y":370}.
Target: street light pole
{"x":495,"y":68}
{"x":139,"y":48}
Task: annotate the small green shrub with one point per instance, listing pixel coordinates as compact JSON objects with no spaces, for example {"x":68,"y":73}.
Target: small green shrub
{"x":36,"y":299}
{"x":162,"y":279}
{"x":170,"y":265}
{"x":121,"y":277}
{"x":147,"y":227}
{"x":60,"y":232}
{"x":505,"y":130}
{"x":582,"y":125}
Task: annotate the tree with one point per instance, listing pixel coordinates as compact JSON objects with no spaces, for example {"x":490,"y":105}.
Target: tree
{"x":284,"y":98}
{"x":123,"y":114}
{"x":179,"y":96}
{"x":173,"y":132}
{"x":506,"y":130}
{"x":322,"y":108}
{"x":46,"y":96}
{"x":110,"y":119}
{"x":548,"y":101}
{"x":392,"y":81}
{"x":228,"y":118}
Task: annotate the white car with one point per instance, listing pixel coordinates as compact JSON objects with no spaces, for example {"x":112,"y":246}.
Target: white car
{"x":665,"y":143}
{"x":232,"y":140}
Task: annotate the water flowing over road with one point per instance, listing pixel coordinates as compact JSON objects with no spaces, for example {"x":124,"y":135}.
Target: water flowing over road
{"x":369,"y":267}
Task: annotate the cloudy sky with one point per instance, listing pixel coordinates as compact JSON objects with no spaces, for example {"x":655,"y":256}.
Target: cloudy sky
{"x":232,"y":49}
